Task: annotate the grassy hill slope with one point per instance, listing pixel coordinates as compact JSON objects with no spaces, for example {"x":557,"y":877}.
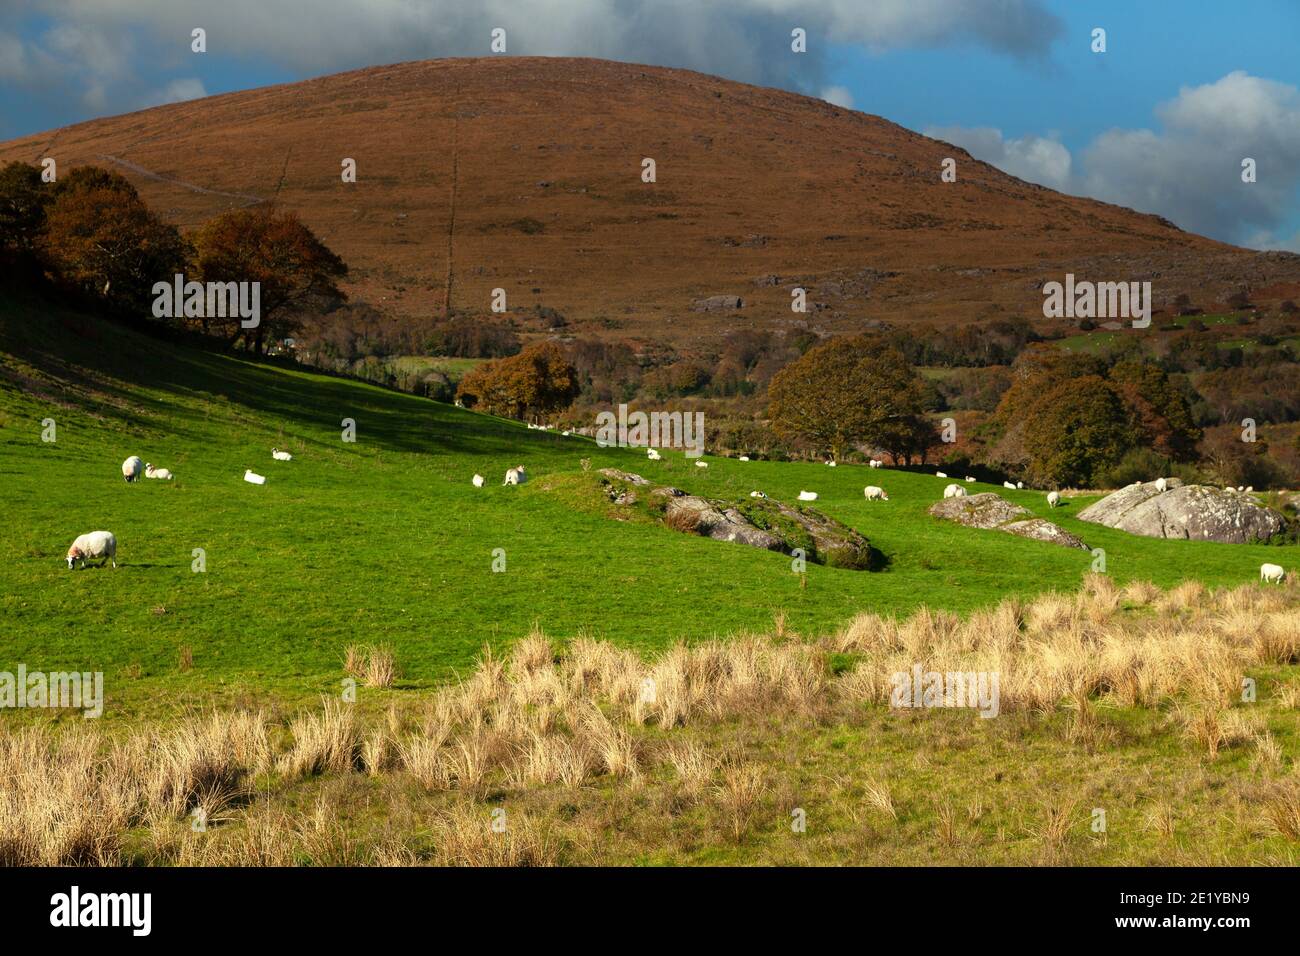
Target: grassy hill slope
{"x":385,"y":540}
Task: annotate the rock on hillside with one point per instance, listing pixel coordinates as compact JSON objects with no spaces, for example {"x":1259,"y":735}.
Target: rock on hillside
{"x":1194,"y":512}
{"x":757,"y":522}
{"x":993,"y":512}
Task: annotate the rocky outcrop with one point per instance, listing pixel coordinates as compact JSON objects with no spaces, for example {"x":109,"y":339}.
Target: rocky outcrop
{"x":1193,"y":512}
{"x":757,"y":522}
{"x":994,"y":513}
{"x":718,"y":303}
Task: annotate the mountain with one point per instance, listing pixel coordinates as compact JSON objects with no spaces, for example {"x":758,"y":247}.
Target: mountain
{"x":525,"y":174}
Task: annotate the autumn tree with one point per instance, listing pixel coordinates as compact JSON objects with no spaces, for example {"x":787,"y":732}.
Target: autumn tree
{"x":295,"y":269}
{"x":1075,"y":431}
{"x":100,"y":237}
{"x":23,"y":201}
{"x":1159,"y":412}
{"x":538,"y":381}
{"x":848,"y":391}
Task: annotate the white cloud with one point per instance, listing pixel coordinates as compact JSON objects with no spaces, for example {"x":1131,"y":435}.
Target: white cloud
{"x":1035,"y":159}
{"x":177,"y":91}
{"x":1188,"y":171}
{"x":838,"y":95}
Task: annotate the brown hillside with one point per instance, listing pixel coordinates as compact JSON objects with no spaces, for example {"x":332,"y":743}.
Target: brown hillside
{"x":524,"y":173}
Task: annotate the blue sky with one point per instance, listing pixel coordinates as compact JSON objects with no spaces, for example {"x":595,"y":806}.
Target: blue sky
{"x":1160,"y":121}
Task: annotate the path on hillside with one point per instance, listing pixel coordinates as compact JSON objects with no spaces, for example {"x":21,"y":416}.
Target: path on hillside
{"x":150,"y":174}
{"x":451,"y":218}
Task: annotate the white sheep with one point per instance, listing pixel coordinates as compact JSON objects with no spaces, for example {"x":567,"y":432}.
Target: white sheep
{"x":1053,"y":499}
{"x":954,"y":491}
{"x":744,"y":458}
{"x":1020,"y":484}
{"x":281,"y":455}
{"x":1161,"y":484}
{"x":253,"y":479}
{"x":757,"y":494}
{"x":940,"y":474}
{"x":969,"y":478}
{"x":96,"y":544}
{"x":701,"y":464}
{"x":653,"y":455}
{"x":875,"y":463}
{"x":515,"y":476}
{"x":477,"y":481}
{"x":831,"y":463}
{"x":131,"y":468}
{"x":1007,"y":484}
{"x":807,"y":496}
{"x":160,"y":473}
{"x":1272,"y":573}
{"x":1249,"y":489}
{"x":875,"y":493}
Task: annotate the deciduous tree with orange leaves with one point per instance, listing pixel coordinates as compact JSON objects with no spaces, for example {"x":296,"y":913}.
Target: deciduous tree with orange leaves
{"x":538,"y":381}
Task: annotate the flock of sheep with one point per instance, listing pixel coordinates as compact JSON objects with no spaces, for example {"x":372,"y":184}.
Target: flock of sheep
{"x":102,"y":545}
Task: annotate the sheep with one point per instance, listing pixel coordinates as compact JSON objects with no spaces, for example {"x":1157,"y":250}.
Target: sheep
{"x":98,"y":544}
{"x":160,"y":473}
{"x":940,"y":474}
{"x":653,"y":455}
{"x":1272,"y":573}
{"x":875,"y":493}
{"x":954,"y":491}
{"x":831,"y":464}
{"x":744,"y":458}
{"x":757,"y":494}
{"x":875,"y":463}
{"x":1053,"y":499}
{"x":969,"y":478}
{"x":807,"y":496}
{"x":701,"y":464}
{"x":253,"y":479}
{"x":281,"y":455}
{"x":1161,"y":484}
{"x":131,"y":469}
{"x":1007,"y":484}
{"x":1249,"y":489}
{"x":515,"y":476}
{"x":1020,"y":484}
{"x":477,"y":481}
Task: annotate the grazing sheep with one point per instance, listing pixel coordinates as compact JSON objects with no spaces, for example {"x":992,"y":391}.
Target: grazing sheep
{"x":477,"y":481}
{"x":875,"y":493}
{"x":1053,"y":499}
{"x":875,"y":463}
{"x":940,"y":474}
{"x":281,"y":455}
{"x":831,"y":463}
{"x":102,"y":544}
{"x":757,"y":494}
{"x":160,"y":473}
{"x":1020,"y":484}
{"x":566,"y":433}
{"x":254,"y":479}
{"x":1161,"y":484}
{"x":701,"y":464}
{"x":515,"y":476}
{"x":969,"y":478}
{"x":1272,"y":573}
{"x":653,"y":455}
{"x":954,"y":491}
{"x":744,"y":458}
{"x":807,"y":496}
{"x":1007,"y":484}
{"x":131,"y":468}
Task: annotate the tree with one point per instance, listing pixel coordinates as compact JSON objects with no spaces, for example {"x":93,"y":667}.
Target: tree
{"x":1159,"y":411}
{"x":848,"y":391}
{"x":100,"y":237}
{"x":1075,"y":431}
{"x":23,"y":200}
{"x":536,"y":382}
{"x":294,"y":268}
